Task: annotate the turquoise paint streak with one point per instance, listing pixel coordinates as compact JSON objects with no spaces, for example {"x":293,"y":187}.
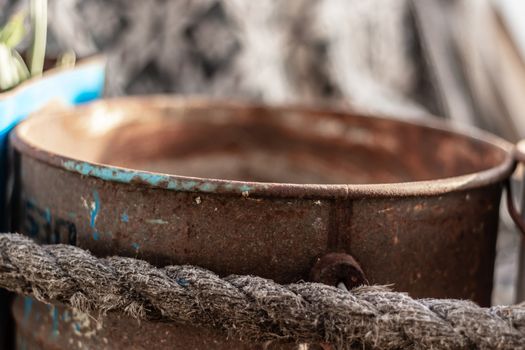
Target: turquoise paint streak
{"x":93,"y":215}
{"x":245,"y":188}
{"x":189,"y":185}
{"x":48,"y":215}
{"x":208,"y":187}
{"x":127,"y":176}
{"x":55,"y":321}
{"x":28,"y":306}
{"x":118,"y":175}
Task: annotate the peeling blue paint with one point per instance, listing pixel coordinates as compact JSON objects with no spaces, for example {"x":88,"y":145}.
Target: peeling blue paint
{"x":55,"y":321}
{"x":245,"y":188}
{"x":189,"y":185}
{"x":95,"y":209}
{"x":93,"y":214}
{"x":47,"y":215}
{"x":173,"y":185}
{"x":124,"y":217}
{"x":160,"y":180}
{"x":112,"y":174}
{"x":28,"y":306}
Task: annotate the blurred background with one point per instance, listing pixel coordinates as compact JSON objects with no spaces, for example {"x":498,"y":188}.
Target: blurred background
{"x":461,"y":60}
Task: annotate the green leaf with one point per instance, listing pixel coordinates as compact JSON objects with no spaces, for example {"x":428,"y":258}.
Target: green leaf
{"x":38,"y":47}
{"x":9,"y":74}
{"x":14,"y":31}
{"x":23,"y":71}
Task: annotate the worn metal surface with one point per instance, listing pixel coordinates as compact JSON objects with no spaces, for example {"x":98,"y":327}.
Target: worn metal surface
{"x":416,"y":205}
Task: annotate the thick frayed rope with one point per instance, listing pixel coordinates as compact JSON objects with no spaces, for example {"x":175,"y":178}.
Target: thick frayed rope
{"x":252,"y":308}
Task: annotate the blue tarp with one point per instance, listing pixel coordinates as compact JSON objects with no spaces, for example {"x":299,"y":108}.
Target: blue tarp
{"x":72,"y":86}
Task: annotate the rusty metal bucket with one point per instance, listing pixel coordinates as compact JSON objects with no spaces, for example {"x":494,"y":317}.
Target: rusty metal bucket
{"x":243,"y":189}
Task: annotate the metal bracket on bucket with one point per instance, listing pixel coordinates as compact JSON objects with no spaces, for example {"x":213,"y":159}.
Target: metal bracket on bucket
{"x":335,"y":268}
{"x":519,"y":220}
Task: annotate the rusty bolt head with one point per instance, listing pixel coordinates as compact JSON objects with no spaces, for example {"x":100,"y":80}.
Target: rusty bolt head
{"x":334,"y":268}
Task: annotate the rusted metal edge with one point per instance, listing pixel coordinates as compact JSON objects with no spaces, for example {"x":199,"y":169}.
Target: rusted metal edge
{"x":259,"y":189}
{"x":519,"y":154}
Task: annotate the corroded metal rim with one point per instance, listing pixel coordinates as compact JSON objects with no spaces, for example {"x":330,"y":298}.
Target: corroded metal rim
{"x":260,"y":189}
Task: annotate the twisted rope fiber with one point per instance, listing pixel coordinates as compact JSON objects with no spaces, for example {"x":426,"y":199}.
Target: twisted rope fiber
{"x":252,"y":308}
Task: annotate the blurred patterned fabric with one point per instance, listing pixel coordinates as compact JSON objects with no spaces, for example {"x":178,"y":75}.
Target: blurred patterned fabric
{"x":309,"y":51}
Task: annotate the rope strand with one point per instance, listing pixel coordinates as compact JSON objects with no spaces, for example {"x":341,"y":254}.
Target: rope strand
{"x":252,"y":308}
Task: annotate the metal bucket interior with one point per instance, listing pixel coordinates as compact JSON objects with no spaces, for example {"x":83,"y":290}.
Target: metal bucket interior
{"x":256,"y":144}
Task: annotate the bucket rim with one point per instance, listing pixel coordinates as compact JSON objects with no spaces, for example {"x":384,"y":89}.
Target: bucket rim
{"x":434,"y":187}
